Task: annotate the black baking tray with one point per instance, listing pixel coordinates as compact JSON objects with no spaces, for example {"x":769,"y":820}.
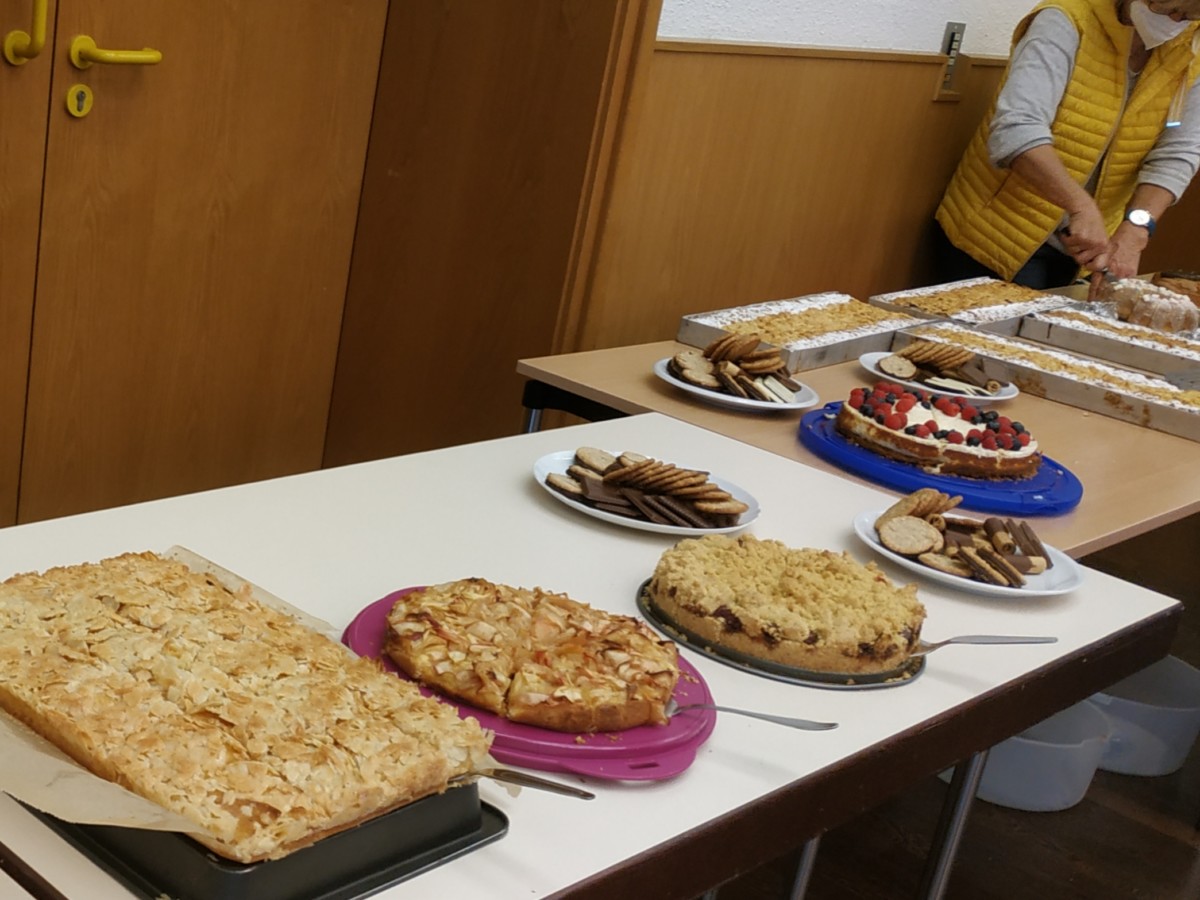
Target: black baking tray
{"x":354,"y":863}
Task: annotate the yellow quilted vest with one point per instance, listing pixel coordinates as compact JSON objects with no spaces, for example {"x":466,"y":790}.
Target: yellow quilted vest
{"x":995,"y":216}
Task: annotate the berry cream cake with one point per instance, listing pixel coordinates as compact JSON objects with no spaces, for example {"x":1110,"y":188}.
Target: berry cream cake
{"x":940,"y":434}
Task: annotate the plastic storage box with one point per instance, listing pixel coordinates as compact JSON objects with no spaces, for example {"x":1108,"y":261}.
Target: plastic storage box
{"x":1047,"y":767}
{"x":1155,"y":718}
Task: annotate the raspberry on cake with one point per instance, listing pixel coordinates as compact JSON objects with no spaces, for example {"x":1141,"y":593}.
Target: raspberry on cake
{"x":813,"y":609}
{"x":940,"y":434}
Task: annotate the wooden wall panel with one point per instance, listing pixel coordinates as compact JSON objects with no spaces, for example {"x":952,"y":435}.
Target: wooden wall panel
{"x":486,"y":126}
{"x":748,"y":174}
{"x":1176,"y":243}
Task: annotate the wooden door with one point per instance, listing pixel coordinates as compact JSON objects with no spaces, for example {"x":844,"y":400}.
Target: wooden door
{"x":195,"y":246}
{"x":493,"y":122}
{"x":23,"y":92}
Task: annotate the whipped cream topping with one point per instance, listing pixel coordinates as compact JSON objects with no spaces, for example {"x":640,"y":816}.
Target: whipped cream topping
{"x":919,"y":415}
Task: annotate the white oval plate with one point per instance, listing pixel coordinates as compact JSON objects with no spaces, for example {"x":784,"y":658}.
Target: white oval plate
{"x":870,"y":362}
{"x":1062,"y":578}
{"x":804,"y":400}
{"x":563,"y":459}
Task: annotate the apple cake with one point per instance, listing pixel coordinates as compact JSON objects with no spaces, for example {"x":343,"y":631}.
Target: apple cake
{"x":533,"y":656}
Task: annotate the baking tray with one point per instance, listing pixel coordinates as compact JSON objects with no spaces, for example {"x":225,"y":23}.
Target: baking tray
{"x":1109,"y":389}
{"x":1052,"y":490}
{"x":901,"y":675}
{"x":1094,"y":329}
{"x":354,"y":863}
{"x":1000,"y":318}
{"x":700,"y":329}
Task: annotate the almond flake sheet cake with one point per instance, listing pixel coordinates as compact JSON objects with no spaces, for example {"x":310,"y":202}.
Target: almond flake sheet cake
{"x":806,"y":321}
{"x":975,"y":300}
{"x":1066,"y":365}
{"x":264,"y":733}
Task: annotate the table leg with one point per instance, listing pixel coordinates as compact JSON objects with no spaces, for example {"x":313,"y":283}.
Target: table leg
{"x":538,"y":396}
{"x":950,"y":827}
{"x":533,"y":421}
{"x":804,"y":868}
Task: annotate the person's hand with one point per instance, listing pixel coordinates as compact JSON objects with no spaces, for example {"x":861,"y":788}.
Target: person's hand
{"x":1124,"y":258}
{"x":1125,"y":250}
{"x":1085,"y":237}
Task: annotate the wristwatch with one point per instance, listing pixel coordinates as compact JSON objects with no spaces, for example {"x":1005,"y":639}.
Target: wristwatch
{"x":1142,"y":218}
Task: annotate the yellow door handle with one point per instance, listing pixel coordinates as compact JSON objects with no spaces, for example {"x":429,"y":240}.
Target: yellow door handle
{"x":19,"y":47}
{"x":84,"y":52}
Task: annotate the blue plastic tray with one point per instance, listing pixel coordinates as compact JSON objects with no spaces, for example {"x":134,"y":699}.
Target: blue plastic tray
{"x":1051,"y":491}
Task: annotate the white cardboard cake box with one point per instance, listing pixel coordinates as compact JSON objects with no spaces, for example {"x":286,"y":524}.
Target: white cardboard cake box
{"x":1002,"y":318}
{"x":1097,"y":398}
{"x":701,"y":329}
{"x":1137,"y":347}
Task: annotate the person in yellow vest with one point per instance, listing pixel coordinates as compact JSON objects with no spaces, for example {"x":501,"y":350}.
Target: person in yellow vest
{"x":1094,"y":133}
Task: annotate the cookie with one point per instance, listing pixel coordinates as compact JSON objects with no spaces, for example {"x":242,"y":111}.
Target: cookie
{"x":997,"y":561}
{"x":583,"y":474}
{"x":898,"y":366}
{"x":776,"y":387}
{"x":947,"y":564}
{"x":718,"y":349}
{"x":565,"y":485}
{"x":915,"y":504}
{"x":595,"y":459}
{"x":980,"y":567}
{"x":626,"y":474}
{"x":700,"y":379}
{"x":746,"y":343}
{"x":910,"y":536}
{"x":721,"y":507}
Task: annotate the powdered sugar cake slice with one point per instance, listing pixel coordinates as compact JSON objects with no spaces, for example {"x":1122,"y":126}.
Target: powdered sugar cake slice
{"x":1075,"y":380}
{"x":810,"y":331}
{"x":987,"y":303}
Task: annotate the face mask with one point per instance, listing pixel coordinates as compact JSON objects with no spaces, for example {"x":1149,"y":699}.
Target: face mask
{"x":1153,"y":28}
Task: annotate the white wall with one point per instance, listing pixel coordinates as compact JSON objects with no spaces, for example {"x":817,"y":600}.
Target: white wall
{"x":874,"y":24}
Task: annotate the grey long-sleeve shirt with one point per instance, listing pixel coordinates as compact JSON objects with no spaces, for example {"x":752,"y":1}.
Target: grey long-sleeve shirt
{"x":1040,"y":68}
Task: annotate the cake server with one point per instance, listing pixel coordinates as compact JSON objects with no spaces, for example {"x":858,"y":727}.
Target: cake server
{"x":925,"y":647}
{"x":802,"y":724}
{"x":524,"y":779}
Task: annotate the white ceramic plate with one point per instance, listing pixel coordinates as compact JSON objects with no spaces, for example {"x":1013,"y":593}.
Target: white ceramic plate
{"x":1062,"y":578}
{"x":562,"y":460}
{"x":870,"y":362}
{"x":805,"y":399}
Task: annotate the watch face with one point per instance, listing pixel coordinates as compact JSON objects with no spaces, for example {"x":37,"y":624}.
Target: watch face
{"x":1139,"y":217}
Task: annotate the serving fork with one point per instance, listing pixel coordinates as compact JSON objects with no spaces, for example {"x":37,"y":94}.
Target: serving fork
{"x":926,"y":647}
